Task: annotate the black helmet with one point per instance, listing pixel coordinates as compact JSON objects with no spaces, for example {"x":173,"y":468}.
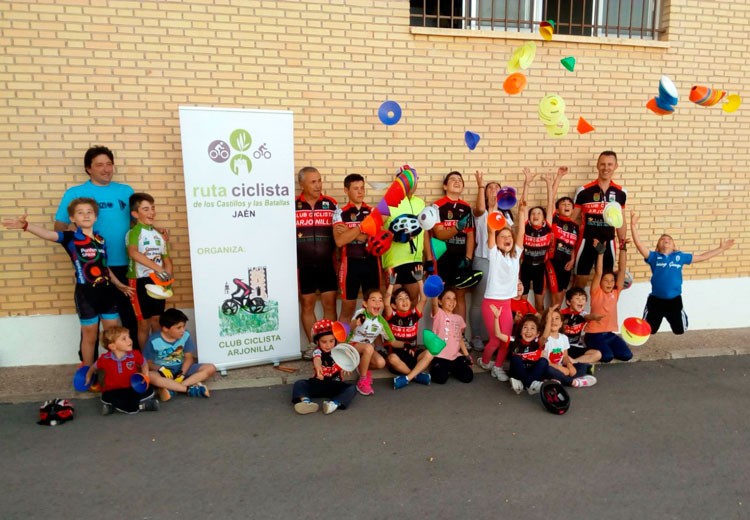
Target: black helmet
{"x":467,"y":278}
{"x":554,"y":397}
{"x":56,"y":411}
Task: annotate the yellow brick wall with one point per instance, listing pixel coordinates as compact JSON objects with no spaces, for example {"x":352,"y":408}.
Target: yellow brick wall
{"x":79,"y":72}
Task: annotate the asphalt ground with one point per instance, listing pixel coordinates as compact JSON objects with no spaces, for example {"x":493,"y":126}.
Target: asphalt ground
{"x":662,"y":439}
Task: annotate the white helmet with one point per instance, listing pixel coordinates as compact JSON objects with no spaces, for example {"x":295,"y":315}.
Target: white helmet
{"x":428,"y":217}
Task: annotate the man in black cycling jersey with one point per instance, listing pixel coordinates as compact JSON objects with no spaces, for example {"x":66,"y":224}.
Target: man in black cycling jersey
{"x":316,"y":271}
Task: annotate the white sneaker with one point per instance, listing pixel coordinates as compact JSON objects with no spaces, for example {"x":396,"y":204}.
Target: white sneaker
{"x":305,"y":407}
{"x":483,"y":365}
{"x":499,"y":374}
{"x":580,"y":382}
{"x":329,"y":407}
{"x":477,"y":344}
{"x":308,"y":354}
{"x":534,"y":388}
{"x":517,"y":385}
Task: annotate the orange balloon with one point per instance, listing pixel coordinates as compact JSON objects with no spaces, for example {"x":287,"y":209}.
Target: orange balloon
{"x":514,"y":83}
{"x":496,"y":221}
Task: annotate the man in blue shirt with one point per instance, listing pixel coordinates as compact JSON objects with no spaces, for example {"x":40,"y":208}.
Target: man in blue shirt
{"x":113,"y":221}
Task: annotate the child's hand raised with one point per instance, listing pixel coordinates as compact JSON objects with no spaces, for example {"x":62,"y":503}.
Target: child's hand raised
{"x":418,"y":272}
{"x":495,"y":310}
{"x":562,"y":171}
{"x":392,"y":277}
{"x":479,"y":176}
{"x":16,"y":223}
{"x":726,"y":244}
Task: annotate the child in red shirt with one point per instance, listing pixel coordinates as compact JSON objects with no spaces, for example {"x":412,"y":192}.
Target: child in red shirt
{"x":118,"y":365}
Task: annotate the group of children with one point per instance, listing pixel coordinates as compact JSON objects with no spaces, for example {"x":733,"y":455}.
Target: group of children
{"x":560,"y":344}
{"x":168,"y":361}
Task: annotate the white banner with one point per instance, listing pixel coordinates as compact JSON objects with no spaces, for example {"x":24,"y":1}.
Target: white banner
{"x":239,"y":186}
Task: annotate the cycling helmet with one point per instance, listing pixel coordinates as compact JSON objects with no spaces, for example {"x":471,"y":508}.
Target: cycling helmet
{"x":380,"y":243}
{"x":321,"y":328}
{"x":467,"y":278}
{"x":56,"y":411}
{"x":429,"y":217}
{"x":554,"y":397}
{"x":628,"y":280}
{"x":404,"y":227}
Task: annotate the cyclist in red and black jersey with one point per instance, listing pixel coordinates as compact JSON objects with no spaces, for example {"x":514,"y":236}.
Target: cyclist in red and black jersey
{"x":359,"y":270}
{"x":315,"y":250}
{"x":561,"y":255}
{"x":536,"y":241}
{"x":590,"y":200}
{"x":456,"y":229}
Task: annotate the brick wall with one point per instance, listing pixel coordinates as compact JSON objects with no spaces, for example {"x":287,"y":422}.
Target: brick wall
{"x":76,"y":73}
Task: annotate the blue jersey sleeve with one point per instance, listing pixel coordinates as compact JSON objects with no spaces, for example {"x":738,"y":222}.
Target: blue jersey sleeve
{"x":149,"y":354}
{"x":190,"y":347}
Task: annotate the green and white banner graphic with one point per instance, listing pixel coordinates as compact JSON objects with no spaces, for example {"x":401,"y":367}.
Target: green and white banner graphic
{"x":239,"y":186}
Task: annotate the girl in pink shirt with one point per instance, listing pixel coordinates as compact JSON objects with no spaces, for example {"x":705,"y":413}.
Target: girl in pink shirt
{"x":605,"y":293}
{"x":454,"y":359}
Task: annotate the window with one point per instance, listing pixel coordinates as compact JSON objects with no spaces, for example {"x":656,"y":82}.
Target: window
{"x":607,"y":18}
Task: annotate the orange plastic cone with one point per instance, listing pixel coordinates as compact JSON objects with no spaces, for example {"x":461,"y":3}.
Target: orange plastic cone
{"x":584,"y":127}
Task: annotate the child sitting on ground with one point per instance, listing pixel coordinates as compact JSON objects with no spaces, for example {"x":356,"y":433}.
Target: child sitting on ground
{"x":665,"y":300}
{"x":556,"y":347}
{"x":148,"y":254}
{"x":574,"y":319}
{"x":173,"y":359}
{"x":367,"y":326}
{"x":404,"y":357}
{"x":527,"y":366}
{"x":454,"y":359}
{"x":118,"y":365}
{"x":605,"y":293}
{"x":327,"y":380}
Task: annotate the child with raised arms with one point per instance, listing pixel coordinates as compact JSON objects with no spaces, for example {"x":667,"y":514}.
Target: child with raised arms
{"x":574,"y":318}
{"x":454,"y":359}
{"x":665,"y":300}
{"x":367,"y":326}
{"x":95,"y":283}
{"x":405,"y":358}
{"x":327,"y":381}
{"x":536,"y":241}
{"x":605,"y":294}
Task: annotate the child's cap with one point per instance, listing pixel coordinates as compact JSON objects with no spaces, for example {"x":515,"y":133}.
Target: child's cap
{"x":321,"y":328}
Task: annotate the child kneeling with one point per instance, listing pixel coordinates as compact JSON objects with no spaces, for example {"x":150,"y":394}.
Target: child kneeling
{"x":118,"y":365}
{"x":327,"y":381}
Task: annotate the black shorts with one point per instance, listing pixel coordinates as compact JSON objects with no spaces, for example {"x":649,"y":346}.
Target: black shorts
{"x":405,"y":355}
{"x":532,"y":277}
{"x":356,"y":274}
{"x":586,"y":257}
{"x":447,"y":266}
{"x":576,"y":351}
{"x":658,"y":308}
{"x":313,"y":278}
{"x":558,"y":279}
{"x":403,"y":273}
{"x":144,"y":306}
{"x":93,"y":301}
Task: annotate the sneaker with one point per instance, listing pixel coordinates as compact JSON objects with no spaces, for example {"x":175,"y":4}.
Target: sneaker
{"x":305,"y":406}
{"x":499,"y":374}
{"x":517,"y":385}
{"x":165,"y":395}
{"x":400,"y":382}
{"x":423,"y":378}
{"x":198,"y":390}
{"x":364,"y":385}
{"x":591,"y":369}
{"x":483,"y":365}
{"x":308,"y":354}
{"x":330,"y":406}
{"x":534,"y":388}
{"x":107,"y":409}
{"x":477,"y":344}
{"x":580,"y":382}
{"x":149,"y":405}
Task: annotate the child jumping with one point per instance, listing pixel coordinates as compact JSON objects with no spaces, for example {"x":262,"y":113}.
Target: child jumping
{"x":665,"y":300}
{"x":327,"y":381}
{"x":118,"y":365}
{"x":405,"y":358}
{"x":94,"y":296}
{"x":367,"y":326}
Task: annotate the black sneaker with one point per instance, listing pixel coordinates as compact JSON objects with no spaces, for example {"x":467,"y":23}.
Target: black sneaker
{"x":107,"y":409}
{"x":149,"y":405}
